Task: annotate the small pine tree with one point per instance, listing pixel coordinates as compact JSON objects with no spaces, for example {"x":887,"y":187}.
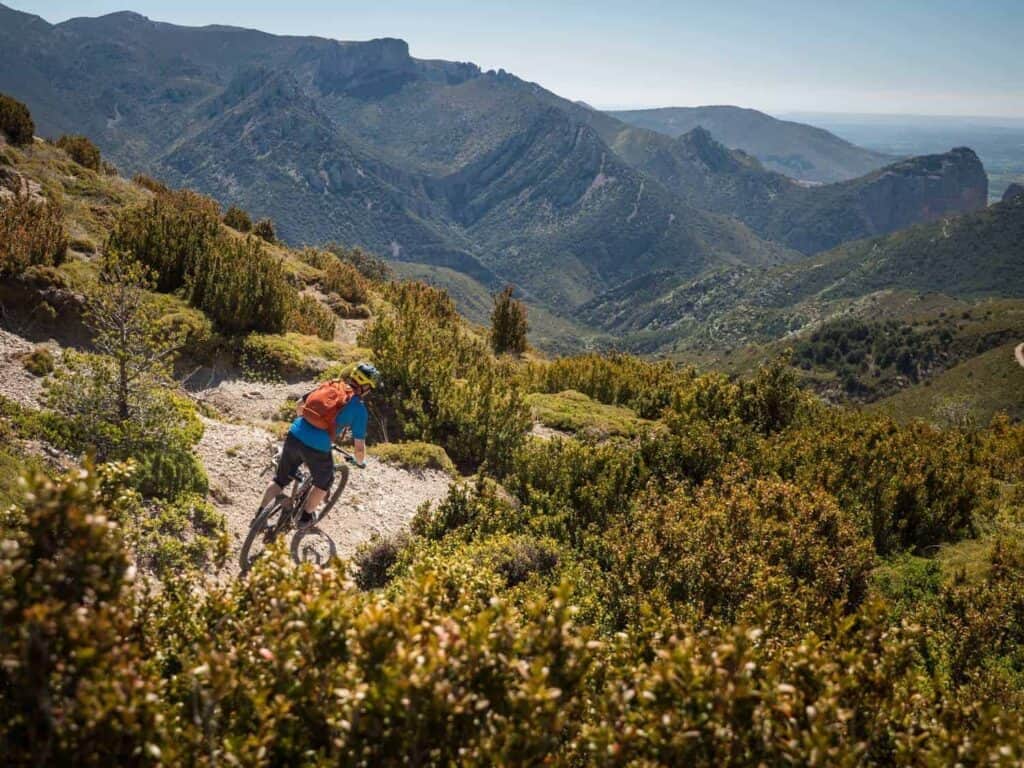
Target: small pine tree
{"x":121,"y":398}
{"x":508,"y":324}
{"x":127,"y":328}
{"x":16,"y":121}
{"x":264,"y":228}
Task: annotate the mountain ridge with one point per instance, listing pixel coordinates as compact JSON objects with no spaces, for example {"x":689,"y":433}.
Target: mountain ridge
{"x":448,"y":202}
{"x":794,"y":149}
{"x":425,"y":161}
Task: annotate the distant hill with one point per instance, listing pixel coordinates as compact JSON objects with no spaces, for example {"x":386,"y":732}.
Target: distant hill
{"x":797,"y":150}
{"x":972,"y":256}
{"x":975,"y":390}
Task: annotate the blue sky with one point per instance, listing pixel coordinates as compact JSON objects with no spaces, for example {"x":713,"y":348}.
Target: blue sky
{"x":949,"y":57}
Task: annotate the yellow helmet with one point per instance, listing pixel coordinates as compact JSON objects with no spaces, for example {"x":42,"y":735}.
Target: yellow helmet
{"x":365,"y":375}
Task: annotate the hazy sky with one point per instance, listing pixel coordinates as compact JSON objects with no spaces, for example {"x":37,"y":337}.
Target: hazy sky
{"x":952,"y":57}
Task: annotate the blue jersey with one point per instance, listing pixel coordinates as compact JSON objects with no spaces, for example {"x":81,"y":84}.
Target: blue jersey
{"x":353,"y":416}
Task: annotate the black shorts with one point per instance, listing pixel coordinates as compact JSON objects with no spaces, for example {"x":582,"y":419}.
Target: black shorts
{"x":296,"y":452}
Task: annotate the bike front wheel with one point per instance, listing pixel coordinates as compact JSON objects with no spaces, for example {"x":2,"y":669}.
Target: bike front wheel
{"x":262,"y":533}
{"x":340,"y":481}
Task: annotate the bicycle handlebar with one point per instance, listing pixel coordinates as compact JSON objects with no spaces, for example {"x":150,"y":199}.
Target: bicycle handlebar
{"x":349,"y":457}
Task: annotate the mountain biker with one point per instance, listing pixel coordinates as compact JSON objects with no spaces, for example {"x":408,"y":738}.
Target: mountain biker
{"x":322,"y":413}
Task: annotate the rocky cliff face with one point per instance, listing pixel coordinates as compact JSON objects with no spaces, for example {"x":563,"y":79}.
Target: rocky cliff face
{"x":923,"y":189}
{"x":1013,"y":192}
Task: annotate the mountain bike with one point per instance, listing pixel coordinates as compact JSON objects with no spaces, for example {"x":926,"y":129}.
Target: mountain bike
{"x":281,"y":515}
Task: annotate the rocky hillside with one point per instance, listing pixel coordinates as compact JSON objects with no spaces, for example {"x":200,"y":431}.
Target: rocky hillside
{"x":231,"y":383}
{"x":970,"y":256}
{"x":1013,"y":192}
{"x":794,"y":149}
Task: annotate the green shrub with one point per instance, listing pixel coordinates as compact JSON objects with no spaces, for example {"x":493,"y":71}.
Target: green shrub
{"x":16,"y":121}
{"x":344,"y":309}
{"x":168,"y":235}
{"x":83,"y":245}
{"x":179,"y":321}
{"x":907,"y":581}
{"x":910,"y":486}
{"x":38,"y":362}
{"x":311,"y":318}
{"x":43,"y":425}
{"x":241,"y":287}
{"x":372,"y":268}
{"x":375,"y":559}
{"x":237,"y":283}
{"x":31,"y":234}
{"x":288,"y":356}
{"x":237,"y":219}
{"x":442,"y":383}
{"x":613,"y":379}
{"x":264,"y":229}
{"x":315,"y":257}
{"x":46,"y":277}
{"x":520,"y":558}
{"x":572,"y":411}
{"x":414,"y":456}
{"x":771,"y":400}
{"x":469,"y":657}
{"x":70,"y":637}
{"x":81,"y":150}
{"x":166,"y":472}
{"x":345,"y":281}
{"x":477,"y":510}
{"x":154,"y":186}
{"x":508,"y":324}
{"x":733,"y":551}
{"x":574,"y":491}
{"x":171,"y":537}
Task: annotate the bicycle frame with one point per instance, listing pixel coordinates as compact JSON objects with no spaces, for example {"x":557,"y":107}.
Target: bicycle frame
{"x":302,"y":482}
{"x":290,"y":505}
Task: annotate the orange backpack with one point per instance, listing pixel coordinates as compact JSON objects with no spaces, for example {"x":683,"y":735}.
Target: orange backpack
{"x":323,"y":404}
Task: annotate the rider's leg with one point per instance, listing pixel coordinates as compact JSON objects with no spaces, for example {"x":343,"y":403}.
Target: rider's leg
{"x":273,"y":490}
{"x":291,"y":457}
{"x":321,"y":468}
{"x":313,"y":499}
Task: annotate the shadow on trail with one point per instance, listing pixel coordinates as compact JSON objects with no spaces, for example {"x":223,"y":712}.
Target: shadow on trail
{"x":313,"y":545}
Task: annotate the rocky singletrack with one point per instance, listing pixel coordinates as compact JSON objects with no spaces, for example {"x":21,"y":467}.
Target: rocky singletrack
{"x":238,"y":446}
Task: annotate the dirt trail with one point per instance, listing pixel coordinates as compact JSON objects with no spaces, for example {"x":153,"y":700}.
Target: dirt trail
{"x":15,"y":382}
{"x":380,"y":499}
{"x":253,"y":403}
{"x":236,"y":448}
